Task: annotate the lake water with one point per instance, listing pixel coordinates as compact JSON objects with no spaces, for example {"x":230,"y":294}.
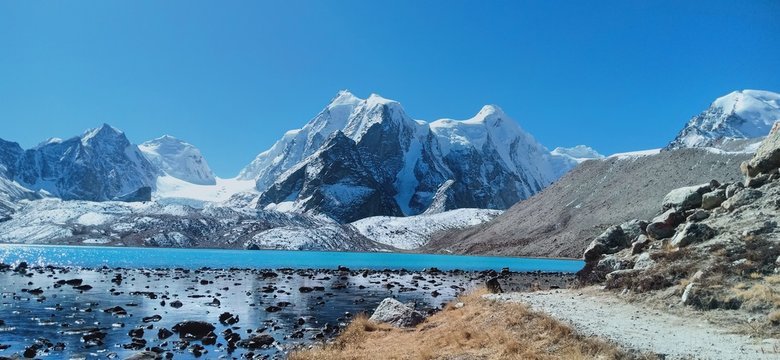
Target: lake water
{"x":97,"y":256}
{"x":36,"y":303}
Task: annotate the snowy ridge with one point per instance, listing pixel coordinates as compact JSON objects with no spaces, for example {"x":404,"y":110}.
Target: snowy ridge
{"x":386,"y":156}
{"x":740,"y":115}
{"x":178,"y":159}
{"x":412,"y":232}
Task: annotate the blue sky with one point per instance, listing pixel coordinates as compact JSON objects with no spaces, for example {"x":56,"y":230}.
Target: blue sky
{"x":232,"y":76}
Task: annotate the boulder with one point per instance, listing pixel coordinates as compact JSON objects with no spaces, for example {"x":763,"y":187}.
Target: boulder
{"x":713,"y":199}
{"x":193,"y":329}
{"x":609,"y":242}
{"x":692,"y":233}
{"x":685,"y":198}
{"x":644,"y":262}
{"x":393,"y":312}
{"x":493,"y":286}
{"x":633,"y":228}
{"x":698,"y":215}
{"x":258,"y":341}
{"x":742,"y":198}
{"x":640,"y":244}
{"x":144,"y":355}
{"x":660,"y":230}
{"x":767,"y":156}
{"x":733,"y":189}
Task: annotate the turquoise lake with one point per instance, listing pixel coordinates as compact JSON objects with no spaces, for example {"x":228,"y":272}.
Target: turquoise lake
{"x":97,"y":256}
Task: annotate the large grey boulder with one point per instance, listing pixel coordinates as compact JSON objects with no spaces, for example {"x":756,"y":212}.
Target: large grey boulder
{"x":742,"y":198}
{"x":663,"y":226}
{"x":713,"y":199}
{"x":610,"y":241}
{"x":692,"y":233}
{"x":685,"y":198}
{"x":767,"y":158}
{"x":144,"y":355}
{"x":393,"y":312}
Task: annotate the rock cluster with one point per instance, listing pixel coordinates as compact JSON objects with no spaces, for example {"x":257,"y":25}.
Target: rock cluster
{"x":693,"y":224}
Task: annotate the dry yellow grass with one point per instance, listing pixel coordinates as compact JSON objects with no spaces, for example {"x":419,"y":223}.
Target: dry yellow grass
{"x":482,"y":329}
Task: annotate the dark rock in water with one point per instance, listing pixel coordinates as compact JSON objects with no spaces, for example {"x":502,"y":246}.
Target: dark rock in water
{"x":273,"y":309}
{"x":176,"y":304}
{"x":144,"y":355}
{"x":305,"y":289}
{"x":209,"y":339}
{"x":116,"y":310}
{"x":257,"y":342}
{"x":31,"y":351}
{"x":73,"y":282}
{"x":153,"y":318}
{"x":227,"y":318}
{"x":493,"y":286}
{"x":193,"y":329}
{"x":94,"y":335}
{"x":136,"y":333}
{"x":83,"y":287}
{"x":164,"y":333}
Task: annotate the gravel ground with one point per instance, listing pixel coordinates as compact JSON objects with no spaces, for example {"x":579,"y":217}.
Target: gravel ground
{"x":631,"y":326}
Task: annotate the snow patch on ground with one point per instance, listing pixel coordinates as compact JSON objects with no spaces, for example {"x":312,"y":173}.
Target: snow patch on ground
{"x":412,"y":232}
{"x":171,"y":190}
{"x":634,"y":154}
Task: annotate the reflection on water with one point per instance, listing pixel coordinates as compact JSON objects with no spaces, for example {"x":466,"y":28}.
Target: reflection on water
{"x":61,"y":313}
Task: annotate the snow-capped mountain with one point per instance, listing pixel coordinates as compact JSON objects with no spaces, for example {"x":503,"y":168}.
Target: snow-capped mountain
{"x":99,"y":165}
{"x":178,"y":159}
{"x":578,"y":153}
{"x":367,"y":157}
{"x":734,"y":122}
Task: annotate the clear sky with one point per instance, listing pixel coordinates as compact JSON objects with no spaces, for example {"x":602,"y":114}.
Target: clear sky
{"x":232,"y":76}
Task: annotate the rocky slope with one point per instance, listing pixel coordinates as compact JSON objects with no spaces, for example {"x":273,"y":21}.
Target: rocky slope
{"x":371,"y":155}
{"x":178,"y":159}
{"x":734,"y":122}
{"x":565,"y":217}
{"x":53,"y":221}
{"x":100,"y":165}
{"x":715,"y":246}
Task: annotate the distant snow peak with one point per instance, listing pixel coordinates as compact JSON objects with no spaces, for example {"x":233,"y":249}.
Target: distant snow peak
{"x":178,"y":159}
{"x":733,"y":122}
{"x":578,"y":153}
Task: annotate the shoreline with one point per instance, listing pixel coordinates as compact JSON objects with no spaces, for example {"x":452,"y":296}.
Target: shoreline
{"x":121,"y":311}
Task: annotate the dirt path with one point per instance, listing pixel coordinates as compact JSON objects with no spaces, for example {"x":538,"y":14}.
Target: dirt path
{"x":633,"y":327}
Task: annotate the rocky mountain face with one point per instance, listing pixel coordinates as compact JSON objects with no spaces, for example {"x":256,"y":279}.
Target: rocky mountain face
{"x":562,"y":219}
{"x":178,"y":159}
{"x":97,"y":166}
{"x":735,"y":122}
{"x":714,"y":245}
{"x":370,"y":155}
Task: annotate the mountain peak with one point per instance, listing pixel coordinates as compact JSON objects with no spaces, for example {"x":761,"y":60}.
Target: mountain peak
{"x":344,"y":97}
{"x":178,"y":159}
{"x":730,"y":120}
{"x":104,"y":131}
